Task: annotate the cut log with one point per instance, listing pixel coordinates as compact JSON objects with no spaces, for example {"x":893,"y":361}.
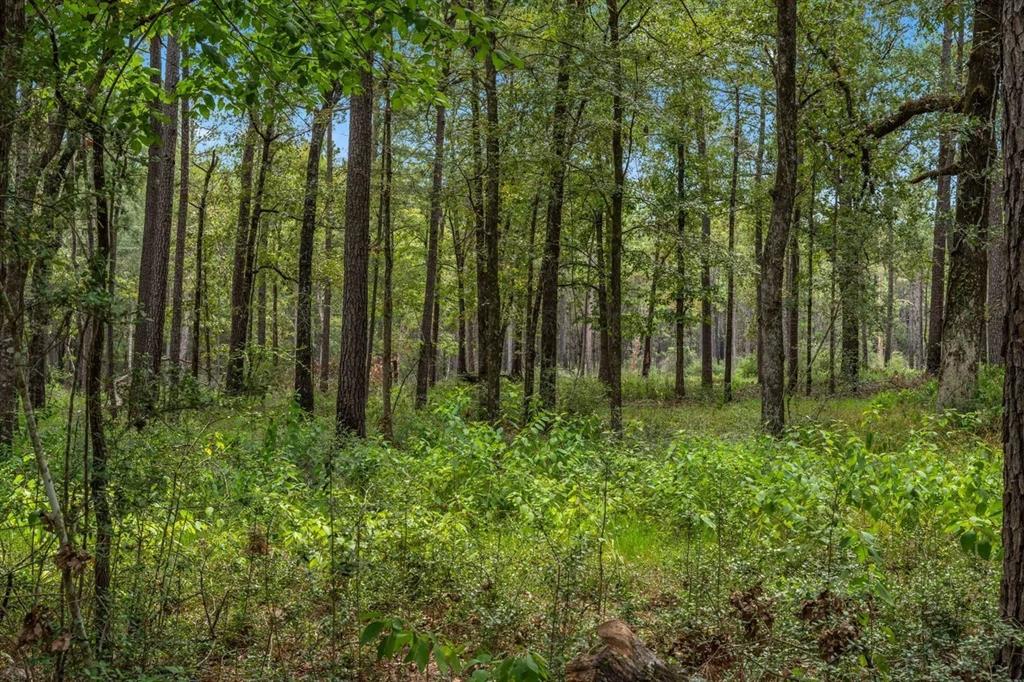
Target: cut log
{"x":622,"y":658}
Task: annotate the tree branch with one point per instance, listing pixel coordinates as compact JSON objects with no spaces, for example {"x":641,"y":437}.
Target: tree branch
{"x":910,"y":109}
{"x":950,"y":169}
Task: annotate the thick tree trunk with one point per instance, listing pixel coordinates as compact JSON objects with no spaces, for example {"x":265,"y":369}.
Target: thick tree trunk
{"x":1011,"y":592}
{"x":772,"y":399}
{"x":730,"y":284}
{"x":352,"y":379}
{"x":177,"y":303}
{"x":307,"y":234}
{"x":942,"y":215}
{"x":235,"y":376}
{"x":326,"y":294}
{"x":997,"y":264}
{"x":426,"y":354}
{"x":148,"y":336}
{"x":615,"y":228}
{"x":958,"y":376}
{"x":680,"y":321}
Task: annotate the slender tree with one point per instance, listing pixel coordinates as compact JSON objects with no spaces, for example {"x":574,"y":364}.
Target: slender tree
{"x":324,"y":344}
{"x":200,"y":271}
{"x":615,"y":226}
{"x":387,"y":372}
{"x":680,"y":321}
{"x":730,"y":285}
{"x":177,"y":303}
{"x":706,"y":349}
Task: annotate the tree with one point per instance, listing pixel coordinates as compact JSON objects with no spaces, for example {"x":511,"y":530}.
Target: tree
{"x":239,"y":281}
{"x":352,"y":378}
{"x":772,"y":399}
{"x":730,"y":286}
{"x":680,"y":316}
{"x":615,"y":227}
{"x":304,"y":303}
{"x":1011,"y":590}
{"x":179,"y":239}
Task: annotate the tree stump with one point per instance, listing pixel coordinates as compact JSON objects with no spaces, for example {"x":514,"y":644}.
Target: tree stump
{"x":623,"y":658}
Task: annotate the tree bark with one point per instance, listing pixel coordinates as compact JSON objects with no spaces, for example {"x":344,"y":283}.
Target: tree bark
{"x":812,"y":201}
{"x":458,"y":247}
{"x":890,"y":286}
{"x":1011,"y":591}
{"x":307,"y":233}
{"x":758,"y":234}
{"x":615,"y":227}
{"x":386,"y":370}
{"x":235,"y":376}
{"x":793,"y":307}
{"x":961,"y":326}
{"x":352,"y":379}
{"x":200,"y":273}
{"x":489,"y":297}
{"x":553,"y":234}
{"x":179,"y":240}
{"x":706,"y":349}
{"x":326,"y":294}
{"x":942,"y":215}
{"x":152,"y":291}
{"x":530,"y":328}
{"x":680,"y":321}
{"x":604,"y":352}
{"x":772,"y":399}
{"x":730,"y":284}
{"x":426,"y":354}
{"x":623,"y":658}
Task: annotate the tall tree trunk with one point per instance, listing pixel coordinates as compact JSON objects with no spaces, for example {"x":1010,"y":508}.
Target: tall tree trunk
{"x":148,"y":337}
{"x":680,"y":321}
{"x":553,"y":234}
{"x":235,"y":374}
{"x":758,"y":230}
{"x":1011,"y":592}
{"x":652,"y":299}
{"x":99,"y":268}
{"x":307,"y":234}
{"x":942,"y":216}
{"x":325,"y":300}
{"x":179,"y":240}
{"x":833,"y":255}
{"x":772,"y":399}
{"x":615,"y":227}
{"x":426,"y":355}
{"x":996,"y":306}
{"x":958,"y":376}
{"x":200,"y":273}
{"x":730,"y":284}
{"x":812,"y":201}
{"x":489,"y":297}
{"x":604,"y":352}
{"x":387,"y":315}
{"x":890,"y":286}
{"x":530,"y":327}
{"x":352,"y":379}
{"x":458,"y":247}
{"x":706,"y":348}
{"x":793,"y":307}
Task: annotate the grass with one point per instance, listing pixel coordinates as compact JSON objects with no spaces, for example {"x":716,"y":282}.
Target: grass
{"x":251,"y":545}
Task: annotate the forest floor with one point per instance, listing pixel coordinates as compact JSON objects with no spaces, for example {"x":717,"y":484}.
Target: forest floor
{"x":864,"y":545}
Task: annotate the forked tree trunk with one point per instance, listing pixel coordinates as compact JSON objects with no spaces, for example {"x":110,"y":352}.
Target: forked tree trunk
{"x":239,"y":295}
{"x":962,"y":324}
